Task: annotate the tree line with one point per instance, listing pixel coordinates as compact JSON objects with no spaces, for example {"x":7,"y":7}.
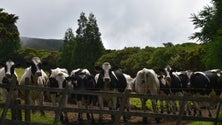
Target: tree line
{"x":84,"y":48}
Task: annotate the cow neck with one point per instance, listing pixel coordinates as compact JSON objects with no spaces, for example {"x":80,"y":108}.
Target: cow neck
{"x":33,"y":79}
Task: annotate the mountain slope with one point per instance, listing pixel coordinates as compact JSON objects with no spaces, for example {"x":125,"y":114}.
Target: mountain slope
{"x":43,"y":44}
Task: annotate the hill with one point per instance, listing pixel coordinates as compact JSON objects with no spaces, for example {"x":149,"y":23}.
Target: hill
{"x":43,"y":44}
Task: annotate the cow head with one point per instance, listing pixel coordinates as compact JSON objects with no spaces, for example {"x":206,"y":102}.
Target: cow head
{"x":106,"y":71}
{"x":59,"y":78}
{"x":36,"y":66}
{"x":168,"y":73}
{"x":9,"y":68}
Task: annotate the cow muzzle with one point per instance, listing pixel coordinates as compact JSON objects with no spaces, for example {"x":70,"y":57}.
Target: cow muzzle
{"x":106,"y":79}
{"x":38,"y":73}
{"x":8,"y":75}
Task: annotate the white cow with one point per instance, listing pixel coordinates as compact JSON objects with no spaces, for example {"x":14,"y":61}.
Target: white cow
{"x":146,"y":82}
{"x":7,"y":73}
{"x":37,"y":77}
{"x":59,"y":78}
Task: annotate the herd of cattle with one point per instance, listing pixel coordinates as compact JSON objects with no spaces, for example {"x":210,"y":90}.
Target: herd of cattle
{"x":147,"y":81}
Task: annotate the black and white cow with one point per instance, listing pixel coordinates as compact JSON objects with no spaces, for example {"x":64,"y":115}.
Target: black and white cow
{"x":7,"y":76}
{"x":59,"y":78}
{"x":109,"y":81}
{"x":203,"y":83}
{"x":37,"y":77}
{"x":174,"y":83}
{"x":83,"y":80}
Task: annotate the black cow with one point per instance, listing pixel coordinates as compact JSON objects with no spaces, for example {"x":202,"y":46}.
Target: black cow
{"x":204,"y":83}
{"x":173,"y":85}
{"x":83,"y":80}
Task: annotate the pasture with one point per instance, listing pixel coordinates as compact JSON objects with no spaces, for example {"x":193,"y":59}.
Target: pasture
{"x":49,"y":117}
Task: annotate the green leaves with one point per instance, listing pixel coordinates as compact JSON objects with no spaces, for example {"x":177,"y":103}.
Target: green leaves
{"x":9,"y":35}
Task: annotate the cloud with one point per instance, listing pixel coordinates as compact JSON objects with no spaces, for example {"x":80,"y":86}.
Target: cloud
{"x":124,"y":23}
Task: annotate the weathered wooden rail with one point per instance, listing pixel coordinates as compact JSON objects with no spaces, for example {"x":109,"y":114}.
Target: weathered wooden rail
{"x":18,"y":107}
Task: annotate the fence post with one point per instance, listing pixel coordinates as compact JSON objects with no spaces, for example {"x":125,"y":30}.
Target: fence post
{"x":181,"y":112}
{"x":9,"y":97}
{"x":124,"y":99}
{"x":27,"y":111}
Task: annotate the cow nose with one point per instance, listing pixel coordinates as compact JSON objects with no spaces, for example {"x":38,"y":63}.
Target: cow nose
{"x":38,"y":73}
{"x":106,"y":79}
{"x":8,"y":75}
{"x":143,"y":81}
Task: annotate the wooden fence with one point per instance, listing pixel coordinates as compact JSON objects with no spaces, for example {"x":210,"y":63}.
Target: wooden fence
{"x":17,"y":107}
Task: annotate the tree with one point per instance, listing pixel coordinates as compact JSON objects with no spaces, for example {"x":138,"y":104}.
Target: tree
{"x":208,"y":21}
{"x":90,"y":46}
{"x":213,"y":56}
{"x":9,"y":35}
{"x":68,"y":59}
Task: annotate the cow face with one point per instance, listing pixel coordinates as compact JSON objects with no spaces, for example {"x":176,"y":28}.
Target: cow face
{"x":9,"y":68}
{"x":106,"y":70}
{"x":57,"y":77}
{"x":36,"y":66}
{"x":168,"y":71}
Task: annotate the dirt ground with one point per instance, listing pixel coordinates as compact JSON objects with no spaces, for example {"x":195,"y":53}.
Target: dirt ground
{"x":134,"y":120}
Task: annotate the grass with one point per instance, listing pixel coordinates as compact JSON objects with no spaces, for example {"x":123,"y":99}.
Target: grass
{"x":37,"y":117}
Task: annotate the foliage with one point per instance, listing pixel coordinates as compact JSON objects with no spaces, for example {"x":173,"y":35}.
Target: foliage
{"x":9,"y":35}
{"x":68,"y":59}
{"x":209,"y":21}
{"x":89,"y":45}
{"x":181,"y":57}
{"x":213,"y":57}
{"x":25,"y":54}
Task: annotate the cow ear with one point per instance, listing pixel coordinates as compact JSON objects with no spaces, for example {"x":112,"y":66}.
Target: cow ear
{"x":29,"y":63}
{"x":1,"y":64}
{"x":99,"y":68}
{"x":44,"y":63}
{"x":17,"y":65}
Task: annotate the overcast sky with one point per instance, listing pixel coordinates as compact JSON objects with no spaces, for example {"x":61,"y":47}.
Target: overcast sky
{"x":122,"y":23}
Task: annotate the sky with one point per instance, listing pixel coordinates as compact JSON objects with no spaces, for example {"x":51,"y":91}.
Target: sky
{"x":122,"y":23}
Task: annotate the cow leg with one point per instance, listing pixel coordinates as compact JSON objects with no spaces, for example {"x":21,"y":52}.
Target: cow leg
{"x":31,"y":102}
{"x":143,"y":100}
{"x":127,"y":107}
{"x":90,"y":106}
{"x":114,"y":105}
{"x":154,"y":105}
{"x":80,"y":106}
{"x":197,"y":109}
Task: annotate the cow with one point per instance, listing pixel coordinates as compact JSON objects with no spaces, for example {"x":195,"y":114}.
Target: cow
{"x":37,"y":77}
{"x":7,"y":74}
{"x":59,"y":78}
{"x":183,"y":78}
{"x":203,"y":83}
{"x":146,"y":82}
{"x":83,"y":80}
{"x":109,"y":81}
{"x":174,"y":83}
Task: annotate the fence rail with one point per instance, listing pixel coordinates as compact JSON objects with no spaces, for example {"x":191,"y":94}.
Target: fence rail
{"x":117,"y":113}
